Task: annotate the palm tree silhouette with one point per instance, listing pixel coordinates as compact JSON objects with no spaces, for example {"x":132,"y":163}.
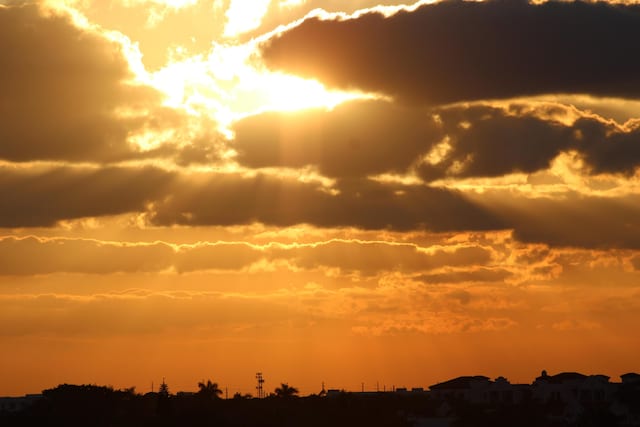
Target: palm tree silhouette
{"x":286,"y":391}
{"x":209,"y":390}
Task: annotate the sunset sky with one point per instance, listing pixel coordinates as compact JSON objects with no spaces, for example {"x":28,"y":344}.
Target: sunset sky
{"x":334,"y":191}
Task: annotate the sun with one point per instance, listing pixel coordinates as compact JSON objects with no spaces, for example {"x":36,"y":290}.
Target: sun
{"x":283,"y":92}
{"x":230,"y":83}
{"x":227,"y":83}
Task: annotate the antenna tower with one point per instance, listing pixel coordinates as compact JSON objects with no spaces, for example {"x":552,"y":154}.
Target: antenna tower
{"x":260,"y":381}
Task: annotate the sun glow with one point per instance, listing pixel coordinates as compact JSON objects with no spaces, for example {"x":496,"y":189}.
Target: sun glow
{"x":174,"y":4}
{"x":230,"y":83}
{"x":245,"y":15}
{"x":225,"y":84}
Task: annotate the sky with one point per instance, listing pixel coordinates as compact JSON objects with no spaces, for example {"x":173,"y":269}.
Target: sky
{"x":338,"y":192}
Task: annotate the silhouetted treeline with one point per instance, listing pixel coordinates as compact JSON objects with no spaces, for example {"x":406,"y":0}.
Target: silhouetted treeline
{"x":91,"y":405}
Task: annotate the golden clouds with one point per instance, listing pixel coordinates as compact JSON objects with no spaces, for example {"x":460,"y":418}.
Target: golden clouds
{"x":160,"y":184}
{"x":308,"y":295}
{"x":89,"y":256}
{"x":361,"y":282}
{"x":69,"y":94}
{"x":454,"y":142}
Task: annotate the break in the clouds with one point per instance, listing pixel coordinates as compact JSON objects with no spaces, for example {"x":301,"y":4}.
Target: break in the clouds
{"x":158,"y":26}
{"x":463,"y":50}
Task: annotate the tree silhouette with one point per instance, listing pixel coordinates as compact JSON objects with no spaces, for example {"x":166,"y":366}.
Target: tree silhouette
{"x":164,"y":389}
{"x":240,"y":396}
{"x":164,"y":403}
{"x":209,"y":390}
{"x":286,"y":391}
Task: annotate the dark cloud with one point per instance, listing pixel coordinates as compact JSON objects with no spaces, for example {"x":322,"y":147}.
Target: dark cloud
{"x":569,"y":220}
{"x":33,"y":198}
{"x":463,"y":50}
{"x":203,"y":150}
{"x":572,"y":220}
{"x":608,"y":149}
{"x":365,"y":138}
{"x":355,"y":139}
{"x":226,"y":199}
{"x":63,"y":91}
{"x":486,"y":141}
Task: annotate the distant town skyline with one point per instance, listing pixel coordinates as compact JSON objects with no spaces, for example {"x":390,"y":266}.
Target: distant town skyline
{"x":229,"y":390}
{"x":550,"y":399}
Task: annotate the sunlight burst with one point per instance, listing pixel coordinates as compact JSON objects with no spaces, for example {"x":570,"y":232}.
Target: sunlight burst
{"x":230,"y":84}
{"x":245,"y":15}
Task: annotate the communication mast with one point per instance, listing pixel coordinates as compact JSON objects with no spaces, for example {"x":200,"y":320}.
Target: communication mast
{"x":260,"y":380}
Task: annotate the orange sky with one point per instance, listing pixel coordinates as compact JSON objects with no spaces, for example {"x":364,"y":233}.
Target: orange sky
{"x":323,"y":191}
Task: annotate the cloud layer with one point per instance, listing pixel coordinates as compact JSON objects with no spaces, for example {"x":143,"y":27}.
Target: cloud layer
{"x":460,"y":50}
{"x":69,"y":94}
{"x":367,"y":138}
{"x":355,"y":139}
{"x":42,"y":197}
{"x":34,"y":256}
